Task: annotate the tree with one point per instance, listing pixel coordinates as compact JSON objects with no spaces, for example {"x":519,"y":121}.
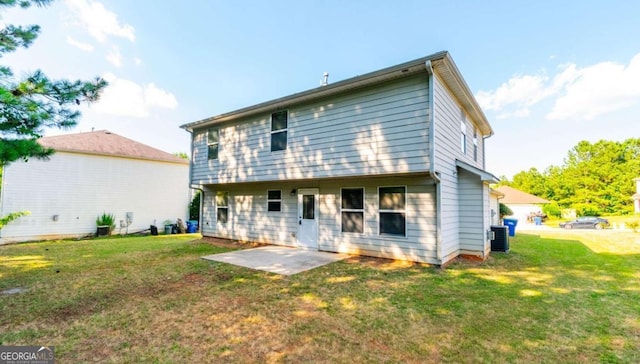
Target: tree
{"x":30,"y":105}
{"x":596,"y":178}
{"x":194,"y":207}
{"x":531,"y":181}
{"x":182,"y":155}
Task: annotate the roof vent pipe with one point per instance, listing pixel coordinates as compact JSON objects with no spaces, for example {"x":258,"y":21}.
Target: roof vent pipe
{"x":325,"y":79}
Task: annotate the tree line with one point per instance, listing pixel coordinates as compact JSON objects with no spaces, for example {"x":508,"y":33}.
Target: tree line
{"x":595,"y":179}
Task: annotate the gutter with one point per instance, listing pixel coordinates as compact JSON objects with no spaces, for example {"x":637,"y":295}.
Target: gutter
{"x":389,"y":73}
{"x":432,"y":162}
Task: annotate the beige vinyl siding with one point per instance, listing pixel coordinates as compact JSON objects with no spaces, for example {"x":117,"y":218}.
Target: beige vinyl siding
{"x":78,"y":187}
{"x":420,"y":241}
{"x":249,"y":219}
{"x":486,"y":205}
{"x":446,"y":151}
{"x":372,"y":131}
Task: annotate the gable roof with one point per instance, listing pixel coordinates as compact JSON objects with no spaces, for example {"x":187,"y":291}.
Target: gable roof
{"x":515,"y":196}
{"x":104,"y":142}
{"x":441,"y":62}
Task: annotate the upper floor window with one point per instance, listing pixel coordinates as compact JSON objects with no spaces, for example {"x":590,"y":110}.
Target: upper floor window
{"x":279,"y":130}
{"x":463,"y":132}
{"x":352,"y":210}
{"x":475,"y":146}
{"x":392,"y":202}
{"x":222,"y":206}
{"x":213,"y":142}
{"x":463,"y":137}
{"x":274,"y":200}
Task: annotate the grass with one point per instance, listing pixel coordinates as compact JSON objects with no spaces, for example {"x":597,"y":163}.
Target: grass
{"x":556,"y":297}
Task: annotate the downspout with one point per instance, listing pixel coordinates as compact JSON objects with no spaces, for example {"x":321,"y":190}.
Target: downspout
{"x":432,"y":162}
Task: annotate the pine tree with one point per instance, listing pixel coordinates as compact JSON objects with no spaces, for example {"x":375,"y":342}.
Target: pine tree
{"x":30,"y":105}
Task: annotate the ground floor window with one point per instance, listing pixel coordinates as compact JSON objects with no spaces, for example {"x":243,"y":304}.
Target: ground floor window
{"x":352,"y":210}
{"x":222,"y":206}
{"x":274,"y":200}
{"x":392,"y":202}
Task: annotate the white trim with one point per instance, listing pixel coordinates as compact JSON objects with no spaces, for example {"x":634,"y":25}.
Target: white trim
{"x":484,"y":175}
{"x":463,"y":134}
{"x":363,"y":210}
{"x":316,"y":215}
{"x":393,"y":211}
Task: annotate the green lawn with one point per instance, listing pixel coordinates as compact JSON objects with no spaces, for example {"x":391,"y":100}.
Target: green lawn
{"x":558,"y":297}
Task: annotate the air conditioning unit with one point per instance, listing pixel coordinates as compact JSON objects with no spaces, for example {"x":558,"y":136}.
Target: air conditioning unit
{"x":500,"y":241}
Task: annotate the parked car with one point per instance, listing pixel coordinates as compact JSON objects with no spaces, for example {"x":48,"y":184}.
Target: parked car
{"x":586,"y":222}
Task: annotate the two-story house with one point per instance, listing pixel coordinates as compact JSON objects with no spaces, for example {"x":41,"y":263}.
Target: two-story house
{"x":387,"y":164}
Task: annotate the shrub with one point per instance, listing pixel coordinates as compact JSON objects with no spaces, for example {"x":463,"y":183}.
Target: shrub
{"x":107,"y":220}
{"x":587,"y":209}
{"x":552,"y":209}
{"x":194,"y":207}
{"x":4,"y":220}
{"x":633,"y":225}
{"x":505,"y":210}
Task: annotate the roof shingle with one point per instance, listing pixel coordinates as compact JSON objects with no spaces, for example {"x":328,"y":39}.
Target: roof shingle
{"x":515,"y":196}
{"x":104,"y":142}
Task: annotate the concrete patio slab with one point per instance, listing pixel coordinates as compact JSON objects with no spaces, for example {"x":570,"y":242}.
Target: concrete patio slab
{"x":277,"y":259}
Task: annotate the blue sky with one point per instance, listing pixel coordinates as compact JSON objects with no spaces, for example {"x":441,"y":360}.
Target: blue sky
{"x":547,"y":73}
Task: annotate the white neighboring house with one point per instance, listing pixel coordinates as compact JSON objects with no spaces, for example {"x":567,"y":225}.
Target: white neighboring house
{"x":521,"y":203}
{"x":89,"y":174}
{"x":494,"y":205}
{"x":388,"y":164}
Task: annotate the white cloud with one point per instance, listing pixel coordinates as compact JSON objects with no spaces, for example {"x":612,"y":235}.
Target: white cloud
{"x":99,"y":21}
{"x":127,"y":98}
{"x":80,"y":45}
{"x":518,"y":94}
{"x":137,"y":61}
{"x":114,"y":57}
{"x":599,"y":89}
{"x":581,"y":93}
{"x":155,"y":96}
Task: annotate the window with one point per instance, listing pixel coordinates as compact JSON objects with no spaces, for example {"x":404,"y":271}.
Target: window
{"x":475,"y":146}
{"x":213,"y":139}
{"x":222,"y":204}
{"x":392,"y":209}
{"x":308,"y":207}
{"x":352,"y":210}
{"x":274,"y":200}
{"x":279,"y":130}
{"x":463,"y":137}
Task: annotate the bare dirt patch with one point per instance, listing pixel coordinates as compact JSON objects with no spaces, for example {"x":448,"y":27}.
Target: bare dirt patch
{"x":229,"y":243}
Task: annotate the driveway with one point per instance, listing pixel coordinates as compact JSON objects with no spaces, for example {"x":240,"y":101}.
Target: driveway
{"x":277,"y":259}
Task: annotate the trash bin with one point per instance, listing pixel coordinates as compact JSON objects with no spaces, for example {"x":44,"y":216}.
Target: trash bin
{"x":538,"y":220}
{"x":154,"y":229}
{"x":194,"y":224}
{"x":511,"y":224}
{"x":191,"y":228}
{"x":167,"y":229}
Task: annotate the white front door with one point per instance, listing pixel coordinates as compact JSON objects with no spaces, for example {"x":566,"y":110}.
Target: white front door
{"x":308,"y":218}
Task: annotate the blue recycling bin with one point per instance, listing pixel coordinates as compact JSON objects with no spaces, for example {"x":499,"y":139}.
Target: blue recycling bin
{"x":192,"y":226}
{"x":538,"y":220}
{"x":511,"y":224}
